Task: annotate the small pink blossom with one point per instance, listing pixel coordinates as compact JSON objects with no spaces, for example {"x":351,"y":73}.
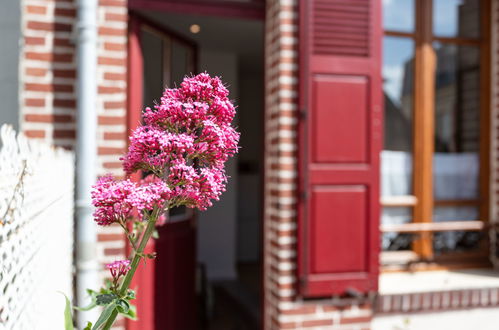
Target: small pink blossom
{"x":119,"y":268}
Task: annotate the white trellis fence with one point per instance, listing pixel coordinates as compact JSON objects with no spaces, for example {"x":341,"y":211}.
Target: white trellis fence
{"x":36,"y":232}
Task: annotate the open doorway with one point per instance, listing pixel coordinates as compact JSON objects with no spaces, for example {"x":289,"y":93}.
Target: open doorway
{"x":228,"y":237}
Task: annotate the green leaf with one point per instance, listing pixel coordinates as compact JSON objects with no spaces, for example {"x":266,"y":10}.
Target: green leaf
{"x":105,"y":299}
{"x":123,"y":306}
{"x":68,"y":318}
{"x":131,"y":314}
{"x":90,"y":306}
{"x":106,"y":313}
{"x":89,"y":326}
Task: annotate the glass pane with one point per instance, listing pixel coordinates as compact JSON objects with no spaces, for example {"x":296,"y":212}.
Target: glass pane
{"x":180,"y":63}
{"x":457,"y":240}
{"x":396,"y":216}
{"x":457,"y":128}
{"x":398,"y":15}
{"x":456,"y":18}
{"x":396,"y":158}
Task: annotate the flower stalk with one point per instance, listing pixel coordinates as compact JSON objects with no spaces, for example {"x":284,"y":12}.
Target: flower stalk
{"x":138,"y":255}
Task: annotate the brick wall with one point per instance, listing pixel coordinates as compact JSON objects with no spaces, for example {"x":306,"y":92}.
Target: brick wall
{"x":48,"y":84}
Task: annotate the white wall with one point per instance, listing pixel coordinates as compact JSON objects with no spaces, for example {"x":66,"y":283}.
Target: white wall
{"x":217,"y":226}
{"x":10,"y":37}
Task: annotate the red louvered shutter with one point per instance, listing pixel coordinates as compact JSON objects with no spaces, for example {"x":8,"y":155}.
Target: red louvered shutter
{"x":340,"y":141}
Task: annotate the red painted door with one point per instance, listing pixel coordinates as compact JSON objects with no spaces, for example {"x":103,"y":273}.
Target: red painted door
{"x":340,"y":141}
{"x":166,"y":297}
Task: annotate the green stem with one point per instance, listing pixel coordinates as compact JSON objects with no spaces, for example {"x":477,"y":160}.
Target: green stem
{"x":151,"y":223}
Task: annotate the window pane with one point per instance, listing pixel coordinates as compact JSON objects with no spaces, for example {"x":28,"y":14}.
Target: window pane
{"x":152,"y":48}
{"x":396,"y":158}
{"x":456,"y":162}
{"x":456,"y":240}
{"x":456,"y":18}
{"x":398,"y":15}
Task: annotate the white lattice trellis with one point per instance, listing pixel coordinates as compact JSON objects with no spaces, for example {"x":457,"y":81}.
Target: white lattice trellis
{"x":36,"y":232}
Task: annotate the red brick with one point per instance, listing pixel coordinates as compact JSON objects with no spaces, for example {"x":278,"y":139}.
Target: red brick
{"x":38,"y":72}
{"x":114,"y":76}
{"x":111,"y":61}
{"x":64,"y":103}
{"x":48,"y":87}
{"x":63,"y":42}
{"x":107,"y":31}
{"x":112,"y":3}
{"x":65,"y":12}
{"x":110,"y":237}
{"x":38,"y":56}
{"x":69,"y":73}
{"x":44,"y":26}
{"x":114,"y":251}
{"x":64,"y":134}
{"x":36,"y":9}
{"x":38,"y":87}
{"x":316,"y":323}
{"x":34,"y":133}
{"x":34,"y":40}
{"x":48,"y":118}
{"x":111,"y":120}
{"x":34,"y":102}
{"x":114,"y":105}
{"x":63,"y":88}
{"x":350,"y":320}
{"x":299,"y":311}
{"x":115,"y":136}
{"x":49,"y":57}
{"x":112,"y":165}
{"x":114,"y":46}
{"x":110,"y":151}
{"x":110,"y":90}
{"x":116,"y":17}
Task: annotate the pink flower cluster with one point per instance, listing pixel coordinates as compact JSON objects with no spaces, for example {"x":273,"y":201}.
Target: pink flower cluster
{"x":185,"y":142}
{"x":115,"y":200}
{"x":118,"y":268}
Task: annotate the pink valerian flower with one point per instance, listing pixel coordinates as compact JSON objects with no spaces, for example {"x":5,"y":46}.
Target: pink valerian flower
{"x":152,"y":193}
{"x":117,"y":200}
{"x":196,"y":188}
{"x":199,"y":98}
{"x":152,"y":149}
{"x":110,"y":197}
{"x":118,"y":268}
